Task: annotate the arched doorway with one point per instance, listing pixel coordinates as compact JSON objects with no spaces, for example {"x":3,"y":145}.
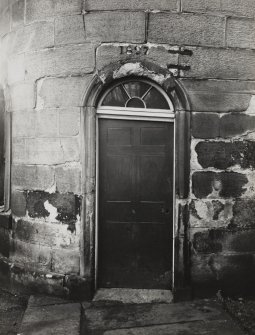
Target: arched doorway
{"x":135,"y":186}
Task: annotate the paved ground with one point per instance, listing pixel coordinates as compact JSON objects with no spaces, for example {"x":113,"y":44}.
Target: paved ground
{"x":12,"y":308}
{"x":46,"y":315}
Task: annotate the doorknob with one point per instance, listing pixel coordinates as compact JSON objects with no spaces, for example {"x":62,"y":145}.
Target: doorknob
{"x":133,"y":211}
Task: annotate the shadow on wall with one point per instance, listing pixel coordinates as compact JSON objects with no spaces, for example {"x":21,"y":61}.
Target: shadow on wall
{"x":2,"y":158}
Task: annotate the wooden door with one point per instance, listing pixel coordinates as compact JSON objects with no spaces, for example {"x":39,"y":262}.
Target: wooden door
{"x":135,"y":204}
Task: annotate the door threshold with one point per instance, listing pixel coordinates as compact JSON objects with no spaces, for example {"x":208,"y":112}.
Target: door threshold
{"x":133,"y":296}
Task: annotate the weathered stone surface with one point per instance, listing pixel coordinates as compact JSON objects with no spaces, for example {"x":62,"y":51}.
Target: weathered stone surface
{"x":68,"y":179}
{"x":66,"y":261}
{"x":223,"y":102}
{"x":205,"y":125}
{"x":233,"y":274}
{"x":219,"y":95}
{"x":18,"y":203}
{"x":58,"y":207}
{"x":240,"y":33}
{"x":62,"y":319}
{"x":18,"y":8}
{"x":43,"y":151}
{"x":214,"y":185}
{"x":222,"y":240}
{"x":35,"y":204}
{"x":22,"y":96}
{"x":211,"y":125}
{"x":32,"y":177}
{"x":28,"y":256}
{"x":115,"y":27}
{"x":34,"y":37}
{"x":42,"y":9}
{"x":220,"y":63}
{"x":186,"y":29}
{"x":23,"y":124}
{"x":243,"y":214}
{"x":45,"y":234}
{"x":58,"y":92}
{"x":131,"y":5}
{"x":69,"y":121}
{"x":208,"y":213}
{"x":236,"y":124}
{"x":107,"y":54}
{"x":242,"y":8}
{"x":222,"y":155}
{"x":69,"y":29}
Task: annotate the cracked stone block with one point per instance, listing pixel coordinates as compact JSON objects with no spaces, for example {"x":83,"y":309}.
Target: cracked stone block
{"x":213,"y":185}
{"x":222,"y":155}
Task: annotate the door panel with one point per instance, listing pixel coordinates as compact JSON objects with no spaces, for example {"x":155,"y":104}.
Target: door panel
{"x":135,"y":204}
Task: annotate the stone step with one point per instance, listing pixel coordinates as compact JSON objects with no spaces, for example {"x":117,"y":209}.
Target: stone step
{"x":133,"y":296}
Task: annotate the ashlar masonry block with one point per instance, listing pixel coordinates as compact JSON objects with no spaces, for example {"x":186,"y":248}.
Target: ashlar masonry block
{"x":68,"y":60}
{"x":186,"y":29}
{"x":32,"y":177}
{"x":42,"y":9}
{"x":22,"y":96}
{"x":220,"y":63}
{"x":34,"y":37}
{"x":62,"y":92}
{"x":68,"y":179}
{"x":236,"y":7}
{"x":115,"y":27}
{"x":131,"y":5}
{"x":240,"y":33}
{"x":69,"y":30}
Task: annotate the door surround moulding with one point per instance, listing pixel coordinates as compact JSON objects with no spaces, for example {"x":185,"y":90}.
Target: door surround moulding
{"x":181,"y":117}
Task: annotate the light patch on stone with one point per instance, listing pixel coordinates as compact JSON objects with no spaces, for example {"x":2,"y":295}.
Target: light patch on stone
{"x":52,"y":188}
{"x":202,"y":209}
{"x":194,"y":161}
{"x":137,"y":69}
{"x":251,"y":107}
{"x":205,"y":214}
{"x":39,"y":99}
{"x":52,"y":210}
{"x":250,"y":186}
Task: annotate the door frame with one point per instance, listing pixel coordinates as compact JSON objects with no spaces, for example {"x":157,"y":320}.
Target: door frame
{"x":136,"y":115}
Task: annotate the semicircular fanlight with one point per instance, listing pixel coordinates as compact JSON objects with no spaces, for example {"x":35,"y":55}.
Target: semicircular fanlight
{"x":135,"y":94}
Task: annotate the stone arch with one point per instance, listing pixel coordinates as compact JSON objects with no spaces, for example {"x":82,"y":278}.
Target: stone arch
{"x":100,"y":81}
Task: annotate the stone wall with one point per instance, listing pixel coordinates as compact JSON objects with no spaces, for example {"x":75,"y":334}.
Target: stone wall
{"x":51,"y":50}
